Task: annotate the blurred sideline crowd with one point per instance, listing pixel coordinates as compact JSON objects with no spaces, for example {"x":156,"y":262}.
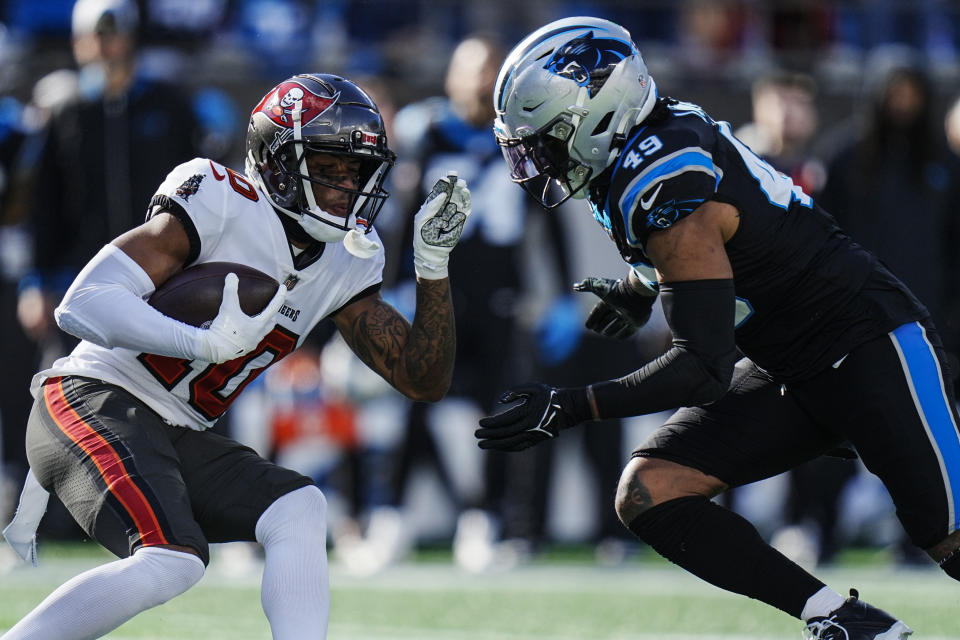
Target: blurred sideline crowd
{"x":855,"y":100}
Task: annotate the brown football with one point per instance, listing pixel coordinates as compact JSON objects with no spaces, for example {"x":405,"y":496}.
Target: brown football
{"x":193,"y":296}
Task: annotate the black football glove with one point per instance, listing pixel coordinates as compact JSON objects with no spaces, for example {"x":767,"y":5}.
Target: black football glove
{"x":542,"y":413}
{"x":621,"y":310}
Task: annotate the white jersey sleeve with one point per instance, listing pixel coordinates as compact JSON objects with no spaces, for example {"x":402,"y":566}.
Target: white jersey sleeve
{"x":204,"y":196}
{"x":228,"y":220}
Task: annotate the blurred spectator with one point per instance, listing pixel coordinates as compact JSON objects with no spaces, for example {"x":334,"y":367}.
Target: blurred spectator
{"x":176,"y":38}
{"x":19,"y":146}
{"x":102,"y":155}
{"x":894,"y":187}
{"x":432,"y":137}
{"x":15,"y":349}
{"x":12,"y":135}
{"x":784,"y":123}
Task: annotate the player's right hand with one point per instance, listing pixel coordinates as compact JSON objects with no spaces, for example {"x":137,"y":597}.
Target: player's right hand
{"x":621,"y":310}
{"x":233,"y":333}
{"x":541,"y":413}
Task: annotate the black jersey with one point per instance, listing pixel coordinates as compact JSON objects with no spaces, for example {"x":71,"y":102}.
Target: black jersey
{"x":806,"y":294}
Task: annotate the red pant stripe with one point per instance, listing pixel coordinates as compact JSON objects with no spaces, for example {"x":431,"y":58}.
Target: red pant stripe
{"x":111,"y":467}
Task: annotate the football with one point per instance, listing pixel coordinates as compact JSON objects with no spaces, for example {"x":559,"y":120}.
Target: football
{"x":193,"y":296}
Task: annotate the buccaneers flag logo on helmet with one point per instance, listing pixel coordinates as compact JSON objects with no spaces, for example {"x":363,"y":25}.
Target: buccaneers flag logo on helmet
{"x":279,"y":103}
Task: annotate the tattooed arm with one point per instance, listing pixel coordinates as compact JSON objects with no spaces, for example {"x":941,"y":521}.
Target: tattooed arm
{"x":417,"y":360}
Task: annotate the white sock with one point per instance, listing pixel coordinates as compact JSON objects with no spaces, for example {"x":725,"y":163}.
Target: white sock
{"x":295,"y":592}
{"x":822,"y":604}
{"x":99,"y":600}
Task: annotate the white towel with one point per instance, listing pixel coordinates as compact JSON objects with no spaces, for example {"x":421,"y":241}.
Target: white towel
{"x":21,"y":533}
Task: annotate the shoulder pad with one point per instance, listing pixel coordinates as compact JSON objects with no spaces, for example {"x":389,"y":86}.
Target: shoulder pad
{"x":209,"y":193}
{"x":663,"y":174}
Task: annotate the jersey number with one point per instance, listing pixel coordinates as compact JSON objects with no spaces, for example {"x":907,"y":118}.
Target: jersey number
{"x":778,"y":188}
{"x":241,"y":185}
{"x":647,"y":147}
{"x":213,"y":389}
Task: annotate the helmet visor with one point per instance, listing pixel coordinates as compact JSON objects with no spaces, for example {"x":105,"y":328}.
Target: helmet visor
{"x":540,"y":161}
{"x":543,"y":151}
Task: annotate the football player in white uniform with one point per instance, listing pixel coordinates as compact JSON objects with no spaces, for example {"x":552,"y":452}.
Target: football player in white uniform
{"x":119,"y":427}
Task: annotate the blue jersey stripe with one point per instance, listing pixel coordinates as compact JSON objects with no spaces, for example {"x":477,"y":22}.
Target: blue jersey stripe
{"x":690,"y":161}
{"x":926,"y":384}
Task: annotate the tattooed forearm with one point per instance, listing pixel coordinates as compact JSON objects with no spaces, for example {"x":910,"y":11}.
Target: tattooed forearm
{"x":417,"y":360}
{"x":432,"y":343}
{"x":377,"y":336}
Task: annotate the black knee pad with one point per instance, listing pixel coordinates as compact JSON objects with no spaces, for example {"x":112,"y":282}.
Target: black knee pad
{"x":951,"y":565}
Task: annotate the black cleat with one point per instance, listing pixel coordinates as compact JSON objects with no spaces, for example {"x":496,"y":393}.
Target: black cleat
{"x":856,"y":620}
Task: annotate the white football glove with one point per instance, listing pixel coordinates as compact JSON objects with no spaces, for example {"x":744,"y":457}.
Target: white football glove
{"x":438,"y":225}
{"x":233,"y":333}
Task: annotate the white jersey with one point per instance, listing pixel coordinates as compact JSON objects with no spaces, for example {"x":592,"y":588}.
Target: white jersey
{"x":228,"y":221}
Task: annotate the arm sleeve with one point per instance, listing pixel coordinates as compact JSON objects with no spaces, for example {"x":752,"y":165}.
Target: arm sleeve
{"x":698,"y":367}
{"x":113,"y":280}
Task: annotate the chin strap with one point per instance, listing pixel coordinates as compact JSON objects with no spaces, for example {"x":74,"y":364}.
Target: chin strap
{"x":297,"y":115}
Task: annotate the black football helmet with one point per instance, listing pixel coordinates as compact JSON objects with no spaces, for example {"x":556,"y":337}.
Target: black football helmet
{"x":319,"y":113}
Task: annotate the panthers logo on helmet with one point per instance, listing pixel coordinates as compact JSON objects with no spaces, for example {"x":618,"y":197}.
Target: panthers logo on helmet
{"x":588,"y":61}
{"x":279,"y":103}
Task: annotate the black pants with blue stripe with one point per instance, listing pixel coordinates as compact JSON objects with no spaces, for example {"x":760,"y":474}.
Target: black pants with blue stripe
{"x":891,"y":398}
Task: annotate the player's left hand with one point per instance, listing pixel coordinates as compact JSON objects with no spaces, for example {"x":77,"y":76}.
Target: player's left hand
{"x":542,"y":413}
{"x":622,"y":309}
{"x":438,"y":225}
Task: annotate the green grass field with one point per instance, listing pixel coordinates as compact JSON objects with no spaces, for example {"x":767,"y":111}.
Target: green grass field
{"x":556,"y":597}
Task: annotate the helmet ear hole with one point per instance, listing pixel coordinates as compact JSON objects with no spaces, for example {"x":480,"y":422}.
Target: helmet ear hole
{"x":603,"y":125}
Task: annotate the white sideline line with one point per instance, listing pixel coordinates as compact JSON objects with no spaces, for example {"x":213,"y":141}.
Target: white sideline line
{"x":367,"y":633}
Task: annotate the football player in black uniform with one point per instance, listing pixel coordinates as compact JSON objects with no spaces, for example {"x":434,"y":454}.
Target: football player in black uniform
{"x":837,"y":349}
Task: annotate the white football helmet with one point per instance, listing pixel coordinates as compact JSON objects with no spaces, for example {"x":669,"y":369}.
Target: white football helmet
{"x":565,"y":98}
